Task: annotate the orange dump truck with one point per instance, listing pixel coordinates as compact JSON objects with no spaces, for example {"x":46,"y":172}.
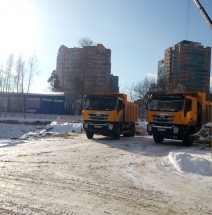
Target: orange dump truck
{"x":109,"y":114}
{"x":177,"y":115}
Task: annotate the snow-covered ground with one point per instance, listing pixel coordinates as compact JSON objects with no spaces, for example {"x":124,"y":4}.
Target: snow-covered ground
{"x":55,"y":169}
{"x":185,"y":161}
{"x":70,"y":174}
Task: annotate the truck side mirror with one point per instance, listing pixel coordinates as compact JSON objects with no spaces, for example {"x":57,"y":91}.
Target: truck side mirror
{"x":147,"y":103}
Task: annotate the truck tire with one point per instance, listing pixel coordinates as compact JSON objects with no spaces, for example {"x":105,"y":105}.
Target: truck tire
{"x":126,"y":134}
{"x":116,"y":135}
{"x":133,"y":130}
{"x":158,"y":139}
{"x":89,"y":134}
{"x":189,"y":139}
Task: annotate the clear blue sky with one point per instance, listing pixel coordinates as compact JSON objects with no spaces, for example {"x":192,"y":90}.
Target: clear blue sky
{"x":136,"y":31}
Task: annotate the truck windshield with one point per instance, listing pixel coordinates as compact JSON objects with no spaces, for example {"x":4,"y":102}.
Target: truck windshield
{"x":102,"y":103}
{"x":165,"y":105}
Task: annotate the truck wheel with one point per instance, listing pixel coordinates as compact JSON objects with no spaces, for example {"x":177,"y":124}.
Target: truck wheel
{"x":116,"y":135}
{"x":129,"y":133}
{"x":158,"y":139}
{"x":126,"y":134}
{"x":89,"y":134}
{"x":133,"y":130}
{"x":189,"y":139}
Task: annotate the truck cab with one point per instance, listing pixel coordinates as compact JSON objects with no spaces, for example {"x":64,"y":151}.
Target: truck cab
{"x":176,"y":115}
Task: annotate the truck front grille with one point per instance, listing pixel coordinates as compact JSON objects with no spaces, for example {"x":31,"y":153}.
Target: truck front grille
{"x":98,"y":117}
{"x":163,"y":118}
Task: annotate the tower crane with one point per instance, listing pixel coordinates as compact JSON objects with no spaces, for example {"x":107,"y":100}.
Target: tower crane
{"x":204,"y":13}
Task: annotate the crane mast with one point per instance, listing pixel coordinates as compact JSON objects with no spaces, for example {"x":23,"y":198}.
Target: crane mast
{"x":204,"y":13}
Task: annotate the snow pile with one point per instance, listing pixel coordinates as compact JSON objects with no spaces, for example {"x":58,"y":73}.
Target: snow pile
{"x":54,"y":129}
{"x":24,"y":131}
{"x":204,"y":135}
{"x":35,"y":134}
{"x":57,"y":128}
{"x":141,"y":127}
{"x":14,"y":131}
{"x":195,"y":162}
{"x":64,"y":127}
{"x":185,"y":162}
{"x":142,"y":123}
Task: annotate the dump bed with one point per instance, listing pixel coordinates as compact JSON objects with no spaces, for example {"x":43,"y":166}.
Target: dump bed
{"x":131,"y":112}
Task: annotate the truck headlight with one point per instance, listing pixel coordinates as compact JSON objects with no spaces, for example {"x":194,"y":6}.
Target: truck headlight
{"x":149,"y":127}
{"x":175,"y":130}
{"x":110,"y":126}
{"x":85,"y":125}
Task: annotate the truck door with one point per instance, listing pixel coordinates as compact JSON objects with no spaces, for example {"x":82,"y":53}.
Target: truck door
{"x":190,"y":111}
{"x":120,"y":110}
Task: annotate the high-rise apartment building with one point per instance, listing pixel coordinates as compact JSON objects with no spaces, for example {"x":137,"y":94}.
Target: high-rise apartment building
{"x":70,"y":62}
{"x":160,"y":70}
{"x":188,"y":63}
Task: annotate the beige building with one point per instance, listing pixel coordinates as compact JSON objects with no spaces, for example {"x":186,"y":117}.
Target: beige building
{"x":70,"y":62}
{"x":188,"y":63}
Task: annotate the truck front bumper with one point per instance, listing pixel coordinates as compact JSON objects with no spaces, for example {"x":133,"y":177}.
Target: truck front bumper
{"x":168,"y":131}
{"x":103,"y":128}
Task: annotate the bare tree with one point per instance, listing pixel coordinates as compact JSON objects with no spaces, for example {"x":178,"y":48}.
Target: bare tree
{"x":3,"y":75}
{"x":8,"y":74}
{"x":10,"y":62}
{"x":3,"y":84}
{"x":85,"y":41}
{"x":18,"y":78}
{"x":141,"y":92}
{"x":19,"y":82}
{"x":163,"y":87}
{"x":142,"y":88}
{"x":31,"y":73}
{"x":130,"y":91}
